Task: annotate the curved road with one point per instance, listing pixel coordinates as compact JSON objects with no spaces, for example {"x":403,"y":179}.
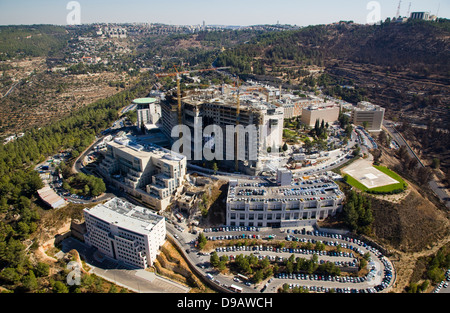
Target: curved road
{"x":186,"y":240}
{"x":439,"y":191}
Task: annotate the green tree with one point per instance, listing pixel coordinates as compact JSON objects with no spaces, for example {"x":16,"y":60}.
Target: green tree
{"x":42,"y":269}
{"x":10,"y":275}
{"x":436,"y":274}
{"x":214,"y":259}
{"x":113,"y":289}
{"x":201,"y":241}
{"x":29,"y":282}
{"x":59,"y":287}
{"x":435,"y":163}
{"x":258,"y":276}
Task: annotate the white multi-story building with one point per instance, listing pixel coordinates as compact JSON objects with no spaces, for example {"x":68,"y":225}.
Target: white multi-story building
{"x":293,"y":105}
{"x":300,"y":203}
{"x":148,"y":113}
{"x":151,"y":173}
{"x":370,"y":114}
{"x":328,"y":113}
{"x":125,"y":232}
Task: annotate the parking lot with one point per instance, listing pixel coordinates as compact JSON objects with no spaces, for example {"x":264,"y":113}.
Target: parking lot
{"x":380,"y":271}
{"x":442,"y":287}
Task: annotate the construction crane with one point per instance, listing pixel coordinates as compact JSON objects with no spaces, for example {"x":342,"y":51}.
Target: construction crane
{"x":178,"y":76}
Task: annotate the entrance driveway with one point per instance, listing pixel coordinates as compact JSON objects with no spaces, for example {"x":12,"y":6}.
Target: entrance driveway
{"x":137,"y":280}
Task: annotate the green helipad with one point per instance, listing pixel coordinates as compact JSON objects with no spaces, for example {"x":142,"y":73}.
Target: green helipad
{"x":144,"y":100}
{"x":363,"y":171}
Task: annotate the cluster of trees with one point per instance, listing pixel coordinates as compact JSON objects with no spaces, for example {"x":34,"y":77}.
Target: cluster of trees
{"x":410,"y":166}
{"x":83,"y":68}
{"x":275,"y":48}
{"x":434,"y":140}
{"x":344,"y":121}
{"x":418,"y":288}
{"x":357,"y":213}
{"x":201,"y":239}
{"x":320,"y":129}
{"x":351,"y":95}
{"x":85,"y":185}
{"x":246,"y":264}
{"x":438,"y":264}
{"x":285,"y":289}
{"x":23,"y":276}
{"x":31,"y":41}
{"x":19,"y":181}
{"x":318,"y":144}
{"x":436,"y":267}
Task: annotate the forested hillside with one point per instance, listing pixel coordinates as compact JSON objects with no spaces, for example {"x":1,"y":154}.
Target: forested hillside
{"x":19,"y":214}
{"x":420,"y":47}
{"x":401,"y":66}
{"x":31,"y":41}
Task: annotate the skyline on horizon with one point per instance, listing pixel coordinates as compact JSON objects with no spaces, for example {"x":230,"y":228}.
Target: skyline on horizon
{"x":232,"y":13}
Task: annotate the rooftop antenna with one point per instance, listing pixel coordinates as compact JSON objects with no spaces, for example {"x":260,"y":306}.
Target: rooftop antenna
{"x":439,"y":6}
{"x":398,"y":9}
{"x":409,"y":10}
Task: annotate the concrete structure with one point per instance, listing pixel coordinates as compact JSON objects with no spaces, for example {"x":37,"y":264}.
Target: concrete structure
{"x":284,"y":177}
{"x":148,"y":113}
{"x":215,"y":107}
{"x":300,"y":204}
{"x":125,"y":232}
{"x":149,"y":172}
{"x":370,"y":113}
{"x":51,"y":198}
{"x":329,"y":113}
{"x":426,"y":16}
{"x":293,"y":105}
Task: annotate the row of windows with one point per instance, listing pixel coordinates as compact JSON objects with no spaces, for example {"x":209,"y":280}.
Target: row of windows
{"x":273,"y":208}
{"x":132,"y":261}
{"x":130,"y":236}
{"x":234,"y":216}
{"x":99,"y":241}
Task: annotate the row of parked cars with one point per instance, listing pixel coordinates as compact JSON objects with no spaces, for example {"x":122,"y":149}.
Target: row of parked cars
{"x":387,"y":277}
{"x":231,"y":228}
{"x":318,"y":277}
{"x":230,"y":237}
{"x":337,"y":290}
{"x":285,"y":250}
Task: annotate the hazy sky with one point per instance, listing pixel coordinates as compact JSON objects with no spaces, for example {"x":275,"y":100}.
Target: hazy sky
{"x":223,"y":12}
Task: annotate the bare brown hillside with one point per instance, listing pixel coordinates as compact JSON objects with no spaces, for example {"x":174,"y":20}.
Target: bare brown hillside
{"x":412,"y":225}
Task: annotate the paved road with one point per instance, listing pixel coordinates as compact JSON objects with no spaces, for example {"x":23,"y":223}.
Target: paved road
{"x":137,"y":280}
{"x":185,"y":238}
{"x":440,"y":191}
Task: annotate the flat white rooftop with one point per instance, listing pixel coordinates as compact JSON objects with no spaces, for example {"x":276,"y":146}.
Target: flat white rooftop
{"x":126,"y":215}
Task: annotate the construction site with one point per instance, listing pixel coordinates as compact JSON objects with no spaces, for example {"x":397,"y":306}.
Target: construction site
{"x":215,"y":109}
